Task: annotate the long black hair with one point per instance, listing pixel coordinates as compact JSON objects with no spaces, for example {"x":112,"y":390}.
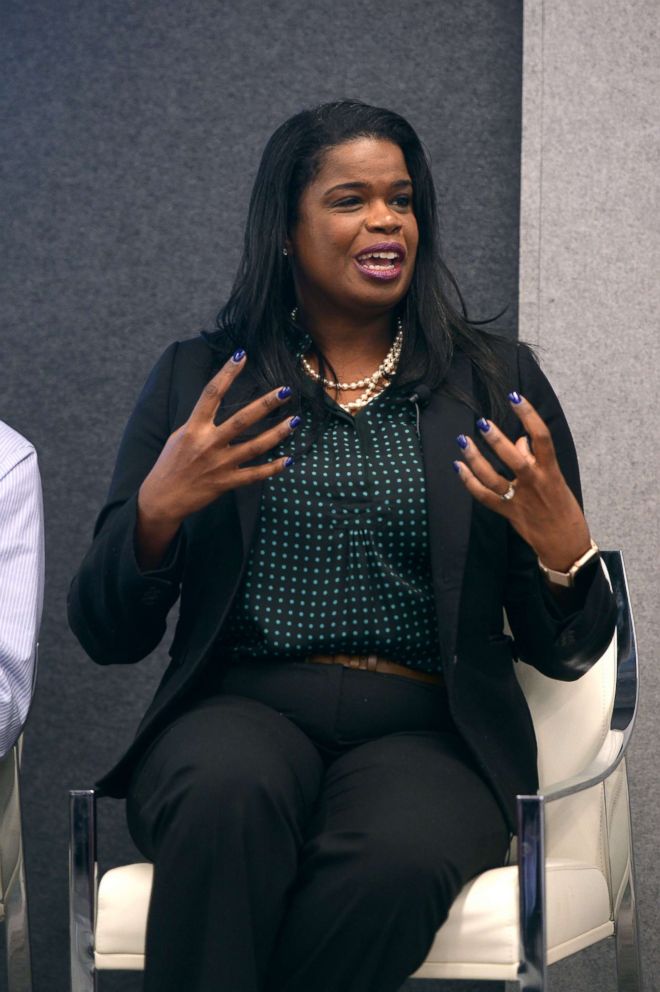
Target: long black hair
{"x":257,"y":315}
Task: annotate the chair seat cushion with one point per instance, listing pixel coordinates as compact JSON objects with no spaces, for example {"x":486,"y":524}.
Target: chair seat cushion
{"x":480,"y":935}
{"x":121,"y":916}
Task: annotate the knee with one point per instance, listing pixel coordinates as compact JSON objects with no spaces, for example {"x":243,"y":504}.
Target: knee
{"x":398,"y":871}
{"x":213,"y":795}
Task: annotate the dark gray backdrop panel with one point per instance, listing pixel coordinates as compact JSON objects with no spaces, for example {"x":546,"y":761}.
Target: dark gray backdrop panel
{"x":134,"y":132}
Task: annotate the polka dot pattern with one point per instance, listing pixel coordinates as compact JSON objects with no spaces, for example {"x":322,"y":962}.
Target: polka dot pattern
{"x":340,"y":561}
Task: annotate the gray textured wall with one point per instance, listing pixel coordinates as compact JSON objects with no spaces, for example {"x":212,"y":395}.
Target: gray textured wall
{"x":134,"y":131}
{"x":590,"y":297}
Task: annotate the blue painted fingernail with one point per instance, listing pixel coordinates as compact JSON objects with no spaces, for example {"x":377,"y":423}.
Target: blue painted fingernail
{"x":238,"y":355}
{"x":295,"y":421}
{"x":483,"y":425}
{"x":462,"y":441}
{"x":457,"y":467}
{"x":284,"y":392}
{"x":289,"y":462}
{"x":515,"y":397}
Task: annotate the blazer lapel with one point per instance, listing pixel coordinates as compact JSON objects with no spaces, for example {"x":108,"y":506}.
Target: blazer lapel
{"x":449,"y":503}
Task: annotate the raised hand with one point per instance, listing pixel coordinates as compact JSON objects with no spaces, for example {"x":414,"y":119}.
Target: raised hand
{"x":198,"y":462}
{"x":538,"y":502}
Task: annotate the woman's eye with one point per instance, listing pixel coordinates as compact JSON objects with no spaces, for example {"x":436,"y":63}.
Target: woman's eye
{"x":403,"y":200}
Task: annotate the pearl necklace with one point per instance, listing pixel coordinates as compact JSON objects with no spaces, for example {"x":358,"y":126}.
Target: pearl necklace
{"x":371,"y":383}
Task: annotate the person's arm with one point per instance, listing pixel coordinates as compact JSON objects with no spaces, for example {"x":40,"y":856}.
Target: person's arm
{"x":536,"y":487}
{"x":130,"y":578}
{"x":21,"y":590}
{"x":560,"y":632}
{"x":117,"y":610}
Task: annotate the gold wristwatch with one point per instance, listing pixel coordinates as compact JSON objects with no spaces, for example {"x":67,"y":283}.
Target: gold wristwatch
{"x":567,"y":579}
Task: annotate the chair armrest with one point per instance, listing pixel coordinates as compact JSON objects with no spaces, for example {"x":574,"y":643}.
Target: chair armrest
{"x":608,"y":758}
{"x":531,"y":808}
{"x":531,"y":855}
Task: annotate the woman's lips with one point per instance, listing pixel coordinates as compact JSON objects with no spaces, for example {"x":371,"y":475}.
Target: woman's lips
{"x":382,"y":262}
{"x":381,"y":273}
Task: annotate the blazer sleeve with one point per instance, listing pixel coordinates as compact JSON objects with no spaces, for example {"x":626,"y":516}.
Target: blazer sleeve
{"x":562,"y":644}
{"x":118,"y":612}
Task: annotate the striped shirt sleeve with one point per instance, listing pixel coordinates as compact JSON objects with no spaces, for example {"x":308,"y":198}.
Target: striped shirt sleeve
{"x":21,"y":579}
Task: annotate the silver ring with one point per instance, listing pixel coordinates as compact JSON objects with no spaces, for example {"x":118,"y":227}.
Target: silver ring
{"x":510,"y":493}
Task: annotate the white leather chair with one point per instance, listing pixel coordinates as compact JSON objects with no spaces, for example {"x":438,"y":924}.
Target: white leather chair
{"x":13,"y":891}
{"x":573,"y":884}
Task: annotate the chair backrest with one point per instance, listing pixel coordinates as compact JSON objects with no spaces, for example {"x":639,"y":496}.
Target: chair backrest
{"x":572,"y":721}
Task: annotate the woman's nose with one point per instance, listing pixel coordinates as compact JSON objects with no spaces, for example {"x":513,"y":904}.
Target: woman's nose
{"x":383,"y":219}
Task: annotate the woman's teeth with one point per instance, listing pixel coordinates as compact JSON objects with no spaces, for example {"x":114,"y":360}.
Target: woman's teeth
{"x":387,"y":260}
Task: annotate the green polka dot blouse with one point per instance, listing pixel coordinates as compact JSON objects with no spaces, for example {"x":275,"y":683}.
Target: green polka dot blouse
{"x":340,"y":561}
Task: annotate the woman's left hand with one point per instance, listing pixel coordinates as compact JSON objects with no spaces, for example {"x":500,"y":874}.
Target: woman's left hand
{"x":542,"y":509}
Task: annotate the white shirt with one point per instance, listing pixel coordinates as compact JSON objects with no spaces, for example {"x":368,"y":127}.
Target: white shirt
{"x":21,"y":579}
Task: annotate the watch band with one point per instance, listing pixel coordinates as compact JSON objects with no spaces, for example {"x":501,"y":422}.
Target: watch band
{"x":567,"y":579}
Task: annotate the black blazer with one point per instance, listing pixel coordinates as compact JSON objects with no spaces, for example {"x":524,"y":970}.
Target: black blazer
{"x":479,"y":565}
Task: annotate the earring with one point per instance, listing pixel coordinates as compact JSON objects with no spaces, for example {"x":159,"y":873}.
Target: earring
{"x":285,"y":251}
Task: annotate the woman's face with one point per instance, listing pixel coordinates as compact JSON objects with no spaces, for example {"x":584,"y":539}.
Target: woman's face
{"x":359,"y":203}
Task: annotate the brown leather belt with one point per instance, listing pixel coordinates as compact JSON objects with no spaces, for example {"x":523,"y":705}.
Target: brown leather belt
{"x":372,"y":663}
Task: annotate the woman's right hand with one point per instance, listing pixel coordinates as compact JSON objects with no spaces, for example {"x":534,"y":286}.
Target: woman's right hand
{"x":198,"y":463}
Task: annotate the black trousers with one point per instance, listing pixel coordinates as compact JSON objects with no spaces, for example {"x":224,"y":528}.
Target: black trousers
{"x":309,"y":826}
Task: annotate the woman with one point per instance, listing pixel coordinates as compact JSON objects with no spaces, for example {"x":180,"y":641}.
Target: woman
{"x":336,"y":746}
